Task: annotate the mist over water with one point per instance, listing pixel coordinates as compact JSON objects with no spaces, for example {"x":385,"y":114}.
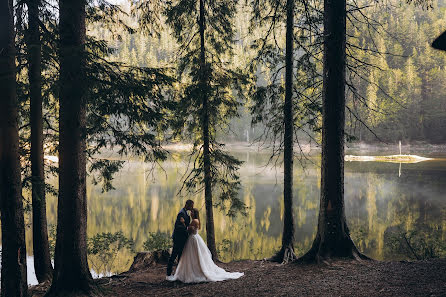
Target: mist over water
{"x":377,"y":199}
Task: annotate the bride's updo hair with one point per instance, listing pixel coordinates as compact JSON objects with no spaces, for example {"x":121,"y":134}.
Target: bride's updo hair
{"x":196,"y":215}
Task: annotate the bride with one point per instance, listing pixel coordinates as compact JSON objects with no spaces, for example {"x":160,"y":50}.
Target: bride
{"x":196,"y":263}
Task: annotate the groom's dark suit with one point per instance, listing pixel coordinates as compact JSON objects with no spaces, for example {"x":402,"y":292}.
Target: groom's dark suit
{"x":179,"y":237}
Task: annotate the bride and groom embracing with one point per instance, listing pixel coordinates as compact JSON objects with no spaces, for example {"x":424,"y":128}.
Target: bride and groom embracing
{"x":195,"y":263}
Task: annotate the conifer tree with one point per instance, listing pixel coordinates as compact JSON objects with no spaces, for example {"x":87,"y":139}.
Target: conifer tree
{"x":290,"y":108}
{"x":41,"y":251}
{"x":204,"y":30}
{"x":71,"y":271}
{"x":333,"y":237}
{"x":13,"y":254}
{"x":108,"y":105}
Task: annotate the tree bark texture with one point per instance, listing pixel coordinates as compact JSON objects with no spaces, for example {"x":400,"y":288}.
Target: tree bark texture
{"x":333,"y":238}
{"x":210,"y":233}
{"x":71,"y":273}
{"x":41,"y":251}
{"x":13,"y":271}
{"x":286,"y":253}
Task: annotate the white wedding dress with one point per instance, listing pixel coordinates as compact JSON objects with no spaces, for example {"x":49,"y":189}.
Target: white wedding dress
{"x":196,"y":264}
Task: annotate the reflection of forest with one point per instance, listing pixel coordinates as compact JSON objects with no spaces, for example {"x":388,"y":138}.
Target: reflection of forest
{"x":376,"y":200}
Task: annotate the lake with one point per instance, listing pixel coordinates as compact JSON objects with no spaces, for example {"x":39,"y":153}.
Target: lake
{"x":379,"y":197}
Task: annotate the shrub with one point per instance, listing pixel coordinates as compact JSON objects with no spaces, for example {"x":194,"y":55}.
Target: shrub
{"x":103,"y":249}
{"x":158,"y":241}
{"x":415,"y":244}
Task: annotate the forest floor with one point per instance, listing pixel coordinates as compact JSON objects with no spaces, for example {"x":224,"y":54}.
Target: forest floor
{"x":262,"y":278}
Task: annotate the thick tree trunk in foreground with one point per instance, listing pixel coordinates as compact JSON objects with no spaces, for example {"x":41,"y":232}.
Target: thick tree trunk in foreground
{"x":286,"y":253}
{"x":333,"y":238}
{"x":41,"y":250}
{"x":210,"y":233}
{"x":13,"y":271}
{"x":71,"y":272}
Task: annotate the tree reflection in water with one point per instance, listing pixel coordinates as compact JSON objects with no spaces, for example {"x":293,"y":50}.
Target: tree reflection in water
{"x":376,"y":199}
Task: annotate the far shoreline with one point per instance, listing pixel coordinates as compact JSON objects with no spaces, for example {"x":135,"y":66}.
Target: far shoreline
{"x":259,"y":147}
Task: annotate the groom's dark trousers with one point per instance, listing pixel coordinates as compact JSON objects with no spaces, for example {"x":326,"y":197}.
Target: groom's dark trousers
{"x":179,"y":237}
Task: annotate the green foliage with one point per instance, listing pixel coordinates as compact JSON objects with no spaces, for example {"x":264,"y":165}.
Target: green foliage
{"x":127,"y":111}
{"x":415,"y":244}
{"x":207,"y":75}
{"x":52,"y":239}
{"x":49,"y":87}
{"x":127,"y":106}
{"x":158,"y":241}
{"x":426,"y":4}
{"x":359,"y":233}
{"x":106,"y":169}
{"x":109,"y":16}
{"x":386,"y":68}
{"x":398,"y":90}
{"x":149,"y":14}
{"x":394,"y":78}
{"x":267,"y":98}
{"x":224,"y":247}
{"x":103,"y":250}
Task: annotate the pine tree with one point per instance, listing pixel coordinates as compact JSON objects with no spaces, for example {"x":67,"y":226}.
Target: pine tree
{"x":333,"y":236}
{"x":71,"y":271}
{"x":13,"y":271}
{"x":289,"y":109}
{"x":41,"y":251}
{"x":117,"y":107}
{"x":204,"y":30}
{"x":286,"y":252}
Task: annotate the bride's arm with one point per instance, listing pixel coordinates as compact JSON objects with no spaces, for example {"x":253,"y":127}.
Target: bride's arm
{"x":191,"y":229}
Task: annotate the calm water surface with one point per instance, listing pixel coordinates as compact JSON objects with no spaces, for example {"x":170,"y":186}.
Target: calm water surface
{"x":378,"y":197}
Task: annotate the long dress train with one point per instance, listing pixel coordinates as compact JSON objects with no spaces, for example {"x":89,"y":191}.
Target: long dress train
{"x":196,"y":264}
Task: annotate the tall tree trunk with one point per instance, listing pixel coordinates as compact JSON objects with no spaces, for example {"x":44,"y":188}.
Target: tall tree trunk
{"x":286,"y":253}
{"x":210,"y":233}
{"x":71,"y":273}
{"x":13,"y":271}
{"x":333,"y":237}
{"x":42,"y":260}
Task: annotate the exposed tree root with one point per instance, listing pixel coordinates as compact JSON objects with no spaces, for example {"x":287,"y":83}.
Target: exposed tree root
{"x":285,"y":255}
{"x":321,"y":254}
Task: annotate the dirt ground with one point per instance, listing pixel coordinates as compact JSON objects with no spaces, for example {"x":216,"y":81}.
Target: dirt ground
{"x":338,"y":278}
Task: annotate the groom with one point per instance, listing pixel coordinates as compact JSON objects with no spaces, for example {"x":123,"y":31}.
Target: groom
{"x":180,"y":233}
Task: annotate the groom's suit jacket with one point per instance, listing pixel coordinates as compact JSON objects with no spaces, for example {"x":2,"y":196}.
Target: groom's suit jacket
{"x":180,"y":230}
